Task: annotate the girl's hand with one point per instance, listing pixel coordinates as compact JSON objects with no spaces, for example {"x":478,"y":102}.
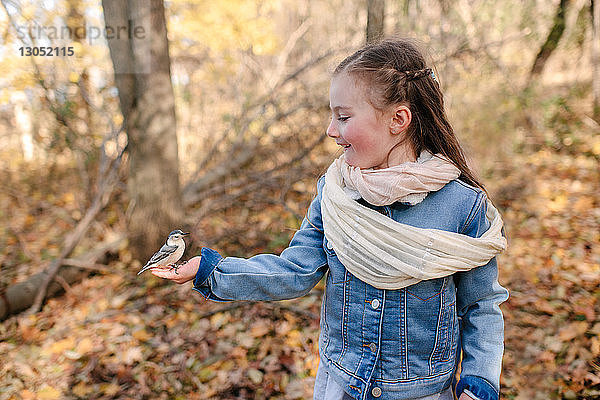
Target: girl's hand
{"x":185,"y":272}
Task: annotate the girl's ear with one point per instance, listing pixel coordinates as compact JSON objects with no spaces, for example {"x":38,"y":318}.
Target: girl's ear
{"x":400,"y":120}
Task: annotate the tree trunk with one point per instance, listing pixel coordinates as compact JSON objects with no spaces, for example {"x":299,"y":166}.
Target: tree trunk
{"x":404,"y":23}
{"x":595,"y":8}
{"x":143,"y":78}
{"x":375,"y":19}
{"x":558,"y":28}
{"x":444,"y":11}
{"x":20,"y":296}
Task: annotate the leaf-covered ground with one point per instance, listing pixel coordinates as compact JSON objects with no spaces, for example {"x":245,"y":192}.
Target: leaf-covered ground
{"x":108,"y":338}
{"x":116,"y":336}
{"x":553,"y":272}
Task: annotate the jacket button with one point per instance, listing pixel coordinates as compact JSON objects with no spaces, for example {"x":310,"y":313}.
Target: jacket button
{"x":373,"y":347}
{"x":375,"y":303}
{"x":376,"y":392}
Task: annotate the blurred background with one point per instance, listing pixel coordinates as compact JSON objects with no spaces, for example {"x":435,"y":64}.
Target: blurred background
{"x":141,"y":117}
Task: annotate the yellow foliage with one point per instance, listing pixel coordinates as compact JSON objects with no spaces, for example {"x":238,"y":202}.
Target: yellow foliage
{"x":48,"y":393}
{"x":85,"y":345}
{"x":596,"y":146}
{"x":60,"y":346}
{"x":110,"y":389}
{"x":28,"y":11}
{"x":102,"y":305}
{"x":584,"y":204}
{"x":77,"y":47}
{"x":225,"y":25}
{"x":27,"y":394}
{"x":142,"y":335}
{"x":21,"y":80}
{"x":73,"y":77}
{"x":82,"y":389}
{"x":131,"y":355}
{"x":294,"y":338}
{"x":595,"y":346}
{"x":558,"y":203}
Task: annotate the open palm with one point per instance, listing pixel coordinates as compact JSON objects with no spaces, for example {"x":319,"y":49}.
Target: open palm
{"x":185,"y":272}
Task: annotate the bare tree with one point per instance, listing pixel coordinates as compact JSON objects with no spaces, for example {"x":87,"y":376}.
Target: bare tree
{"x":595,"y":8}
{"x":445,"y":6}
{"x":375,"y":19}
{"x":143,"y":77}
{"x":551,"y":43}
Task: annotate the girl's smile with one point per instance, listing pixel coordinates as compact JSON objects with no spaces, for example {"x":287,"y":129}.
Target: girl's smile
{"x":370,"y":138}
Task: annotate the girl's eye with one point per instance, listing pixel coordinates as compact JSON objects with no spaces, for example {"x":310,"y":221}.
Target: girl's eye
{"x":342,"y":119}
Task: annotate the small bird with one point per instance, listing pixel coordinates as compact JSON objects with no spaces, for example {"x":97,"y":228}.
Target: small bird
{"x":169,"y":253}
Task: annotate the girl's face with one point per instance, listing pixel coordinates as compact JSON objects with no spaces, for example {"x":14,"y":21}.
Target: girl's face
{"x":367,"y":135}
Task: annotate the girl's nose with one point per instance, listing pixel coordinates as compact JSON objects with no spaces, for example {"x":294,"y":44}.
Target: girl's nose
{"x":331,"y":130}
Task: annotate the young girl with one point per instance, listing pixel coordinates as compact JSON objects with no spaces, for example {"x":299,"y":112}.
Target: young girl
{"x":406,"y":235}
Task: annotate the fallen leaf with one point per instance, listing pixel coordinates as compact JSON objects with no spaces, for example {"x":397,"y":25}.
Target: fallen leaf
{"x":572,"y":330}
{"x":110,"y":389}
{"x":48,"y":393}
{"x":142,"y":335}
{"x":62,"y":345}
{"x":132,"y":355}
{"x":259,"y":329}
{"x":27,"y":394}
{"x":255,"y":375}
{"x":84,"y":346}
{"x":82,"y":389}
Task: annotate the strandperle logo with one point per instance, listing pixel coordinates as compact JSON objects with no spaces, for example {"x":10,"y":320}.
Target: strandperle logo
{"x":90,"y":33}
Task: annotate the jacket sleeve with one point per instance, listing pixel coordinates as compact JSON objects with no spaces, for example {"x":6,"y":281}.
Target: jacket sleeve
{"x":479,"y":296}
{"x":267,"y":276}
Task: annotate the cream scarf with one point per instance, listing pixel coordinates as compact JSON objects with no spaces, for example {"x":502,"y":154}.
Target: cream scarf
{"x":388,"y":254}
{"x":408,"y":182}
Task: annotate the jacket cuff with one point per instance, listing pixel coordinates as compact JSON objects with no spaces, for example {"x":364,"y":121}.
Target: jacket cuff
{"x":208,"y":262}
{"x":478,"y":387}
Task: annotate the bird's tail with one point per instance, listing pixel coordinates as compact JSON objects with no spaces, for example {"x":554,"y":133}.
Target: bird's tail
{"x":146,"y":268}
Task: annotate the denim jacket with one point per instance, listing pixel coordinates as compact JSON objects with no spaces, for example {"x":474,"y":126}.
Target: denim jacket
{"x":385,"y":344}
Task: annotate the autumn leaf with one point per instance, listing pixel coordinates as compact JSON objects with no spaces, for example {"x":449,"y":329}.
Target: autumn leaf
{"x":60,"y":346}
{"x":82,"y":389}
{"x":48,"y":393}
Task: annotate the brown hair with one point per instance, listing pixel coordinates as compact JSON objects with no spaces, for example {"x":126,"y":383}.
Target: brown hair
{"x":394,"y":72}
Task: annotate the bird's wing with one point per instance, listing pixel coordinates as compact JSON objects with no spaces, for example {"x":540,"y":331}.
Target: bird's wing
{"x":161,"y":254}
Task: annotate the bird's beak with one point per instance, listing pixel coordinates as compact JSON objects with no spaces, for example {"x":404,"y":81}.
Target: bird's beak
{"x":185,"y":233}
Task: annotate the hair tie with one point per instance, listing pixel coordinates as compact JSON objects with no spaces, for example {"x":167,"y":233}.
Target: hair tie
{"x":418,"y":74}
{"x":433,"y":76}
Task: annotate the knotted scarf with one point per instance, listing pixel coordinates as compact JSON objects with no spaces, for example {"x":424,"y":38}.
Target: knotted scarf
{"x":408,"y":182}
{"x":388,"y":254}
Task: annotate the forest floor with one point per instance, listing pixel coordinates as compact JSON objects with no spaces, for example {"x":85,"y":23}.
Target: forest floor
{"x":117,"y":336}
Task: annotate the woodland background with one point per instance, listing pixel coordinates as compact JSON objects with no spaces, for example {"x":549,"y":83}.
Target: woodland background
{"x":230,"y":125}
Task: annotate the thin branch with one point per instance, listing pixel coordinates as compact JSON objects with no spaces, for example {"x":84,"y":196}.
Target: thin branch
{"x":253,"y":181}
{"x":259,"y":108}
{"x":192,"y":191}
{"x":287,"y":50}
{"x":105,"y":189}
{"x":65,"y":285}
{"x":71,"y":262}
{"x":20,"y":296}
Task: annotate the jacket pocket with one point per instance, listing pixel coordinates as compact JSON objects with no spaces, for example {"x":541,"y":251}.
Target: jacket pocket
{"x":430,"y":328}
{"x":446,"y":337}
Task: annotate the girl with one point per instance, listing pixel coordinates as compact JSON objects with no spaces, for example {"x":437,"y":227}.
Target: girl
{"x":408,"y":239}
